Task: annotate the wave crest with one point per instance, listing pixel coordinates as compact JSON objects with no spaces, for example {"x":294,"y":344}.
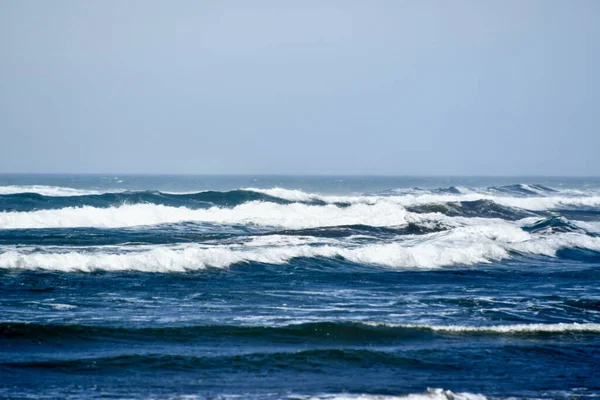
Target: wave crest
{"x":293,"y":216}
{"x":460,"y":246}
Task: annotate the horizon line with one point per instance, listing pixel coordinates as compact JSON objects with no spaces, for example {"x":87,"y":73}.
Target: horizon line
{"x":304,"y":175}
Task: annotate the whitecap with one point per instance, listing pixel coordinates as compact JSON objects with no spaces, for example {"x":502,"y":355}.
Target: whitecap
{"x":504,"y":329}
{"x":462,"y":246}
{"x":50,"y":190}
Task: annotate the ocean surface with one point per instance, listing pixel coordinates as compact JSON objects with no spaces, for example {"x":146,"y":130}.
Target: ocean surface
{"x":193,"y":287}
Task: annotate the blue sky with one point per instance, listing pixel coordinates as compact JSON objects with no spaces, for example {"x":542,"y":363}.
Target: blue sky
{"x":301,"y":87}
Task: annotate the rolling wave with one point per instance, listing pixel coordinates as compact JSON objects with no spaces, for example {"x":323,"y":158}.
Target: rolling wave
{"x":523,"y":189}
{"x":293,"y":216}
{"x":554,"y":224}
{"x":461,"y":246}
{"x":48,"y":190}
{"x":192,"y":232}
{"x":383,"y":212}
{"x":207,"y":199}
{"x":23,"y":198}
{"x":532,"y":329}
{"x":473,"y":209}
{"x":430,"y":394}
{"x":532,"y":201}
{"x":302,"y":360}
{"x":281,"y":208}
{"x":341,"y":332}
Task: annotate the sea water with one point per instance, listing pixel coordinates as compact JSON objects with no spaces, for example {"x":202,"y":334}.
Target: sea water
{"x":191,"y":287}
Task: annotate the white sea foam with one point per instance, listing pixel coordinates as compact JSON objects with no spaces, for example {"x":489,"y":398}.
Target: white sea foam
{"x":414,"y":198}
{"x":527,"y":203}
{"x":590,"y":226}
{"x":460,"y":246}
{"x":383,"y":212}
{"x":299,"y":195}
{"x":286,"y":194}
{"x":508,"y":329}
{"x":430,"y":394}
{"x":543,"y":201}
{"x":293,"y":216}
{"x":50,"y":190}
{"x":59,"y":306}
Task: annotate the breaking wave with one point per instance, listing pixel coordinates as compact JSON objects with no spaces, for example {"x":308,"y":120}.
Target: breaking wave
{"x":460,"y":246}
{"x":347,"y":332}
{"x":293,"y":216}
{"x":47,"y":190}
{"x":507,"y":329}
{"x":430,"y":394}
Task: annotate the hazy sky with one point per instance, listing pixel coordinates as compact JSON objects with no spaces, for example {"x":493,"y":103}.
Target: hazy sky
{"x":300,"y":87}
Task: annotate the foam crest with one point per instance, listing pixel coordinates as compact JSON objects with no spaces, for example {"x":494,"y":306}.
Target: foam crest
{"x":49,"y":190}
{"x":461,"y":246}
{"x":415,"y":198}
{"x":430,"y":394}
{"x":506,"y":329}
{"x":379,"y":213}
{"x":546,"y":200}
{"x":527,"y":203}
{"x":590,"y":226}
{"x":292,"y":216}
{"x":300,"y":196}
{"x":287,"y":194}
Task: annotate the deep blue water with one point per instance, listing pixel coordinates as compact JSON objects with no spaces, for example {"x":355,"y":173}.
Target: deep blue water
{"x":185,"y":287}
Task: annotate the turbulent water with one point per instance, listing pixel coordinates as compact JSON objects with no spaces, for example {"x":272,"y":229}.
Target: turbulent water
{"x":175,"y":287}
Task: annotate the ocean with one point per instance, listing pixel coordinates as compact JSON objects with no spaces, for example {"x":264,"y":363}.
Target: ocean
{"x":275,"y":287}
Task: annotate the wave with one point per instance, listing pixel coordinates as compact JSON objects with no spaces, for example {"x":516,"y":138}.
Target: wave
{"x":293,"y":216}
{"x":430,"y":394}
{"x":451,"y":201}
{"x":383,"y":212}
{"x":191,"y":232}
{"x":523,"y":189}
{"x":540,"y":199}
{"x":461,"y":246}
{"x":476,"y":208}
{"x":445,"y":199}
{"x":156,"y":234}
{"x":554,"y":224}
{"x":508,"y":329}
{"x":49,"y":190}
{"x":326,"y":332}
{"x":303,"y":360}
{"x":347,"y":332}
{"x":523,"y":203}
{"x":36,"y":201}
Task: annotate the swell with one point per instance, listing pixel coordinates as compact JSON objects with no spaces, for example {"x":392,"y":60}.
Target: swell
{"x":531,"y":189}
{"x":150,"y":235}
{"x":303,"y":360}
{"x":430,"y":394}
{"x":524,"y":197}
{"x":473,"y":209}
{"x":293,"y":216}
{"x":347,"y":332}
{"x":383,"y":213}
{"x":319,"y":332}
{"x":460,"y":246}
{"x":554,"y":224}
{"x":199,"y":232}
{"x":189,"y":232}
{"x":258,"y":209}
{"x":34,"y":201}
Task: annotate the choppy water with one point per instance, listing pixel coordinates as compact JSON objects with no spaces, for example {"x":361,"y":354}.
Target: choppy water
{"x":299,"y":287}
